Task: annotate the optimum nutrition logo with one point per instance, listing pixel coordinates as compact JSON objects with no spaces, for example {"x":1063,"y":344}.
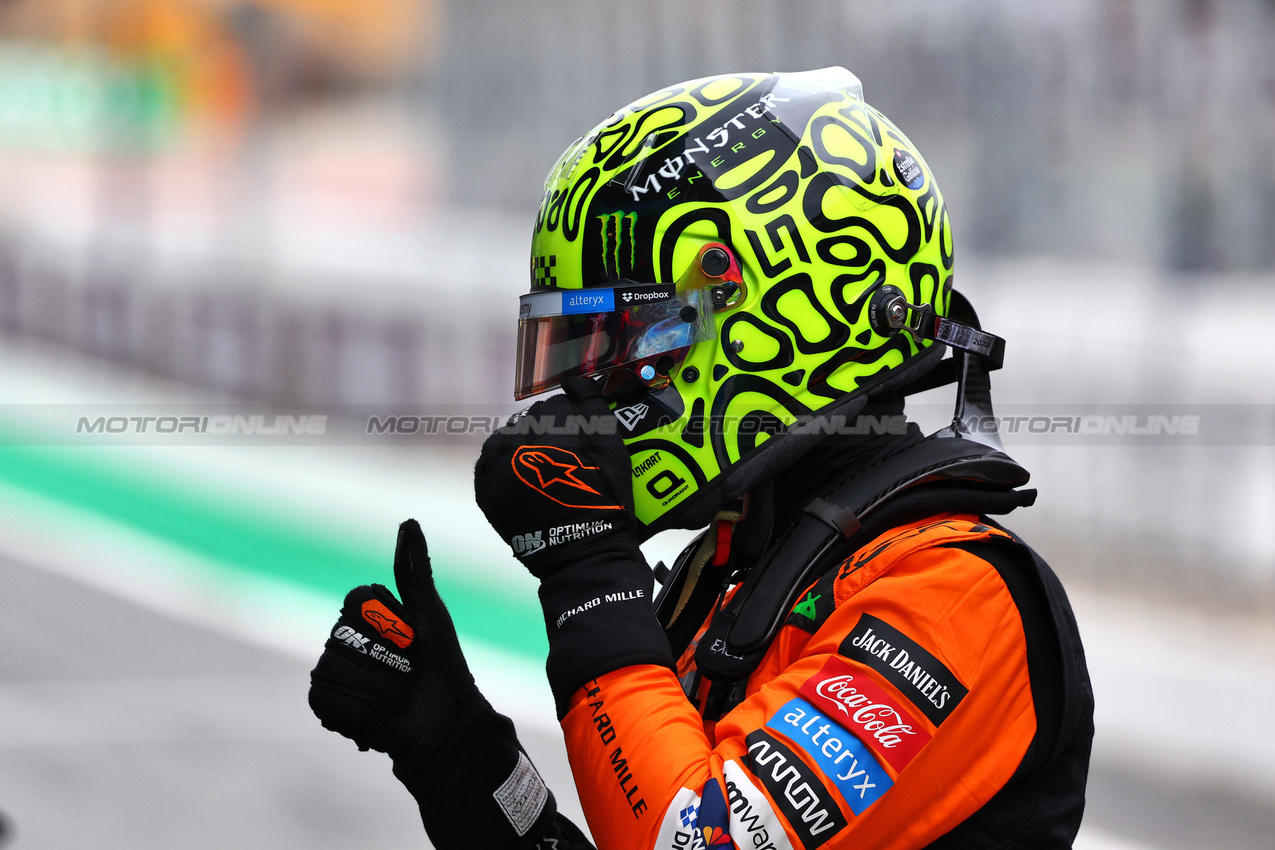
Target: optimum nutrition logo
{"x":351,"y":638}
{"x":618,"y":230}
{"x":525,"y":544}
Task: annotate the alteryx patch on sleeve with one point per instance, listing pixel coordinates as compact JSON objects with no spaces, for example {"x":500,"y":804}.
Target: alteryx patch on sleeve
{"x":920,"y":676}
{"x":841,"y":756}
{"x":805,"y":802}
{"x":850,"y":697}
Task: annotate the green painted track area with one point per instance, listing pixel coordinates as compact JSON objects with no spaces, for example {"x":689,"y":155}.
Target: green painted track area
{"x":255,"y":540}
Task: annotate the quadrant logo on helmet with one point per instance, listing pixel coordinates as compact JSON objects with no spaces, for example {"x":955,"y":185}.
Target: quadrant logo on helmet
{"x":560,"y":475}
{"x":666,"y":484}
{"x":387,"y":623}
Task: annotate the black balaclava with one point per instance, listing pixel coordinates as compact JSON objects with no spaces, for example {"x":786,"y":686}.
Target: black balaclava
{"x":777,"y":504}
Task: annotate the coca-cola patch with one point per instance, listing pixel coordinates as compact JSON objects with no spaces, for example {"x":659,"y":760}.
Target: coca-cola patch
{"x":850,"y":697}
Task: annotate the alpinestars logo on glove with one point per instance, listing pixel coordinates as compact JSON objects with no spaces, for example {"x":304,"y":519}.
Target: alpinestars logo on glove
{"x":384,"y":621}
{"x":560,"y":475}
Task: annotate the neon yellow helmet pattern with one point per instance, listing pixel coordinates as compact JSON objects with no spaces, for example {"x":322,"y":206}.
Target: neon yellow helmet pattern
{"x":819,"y":202}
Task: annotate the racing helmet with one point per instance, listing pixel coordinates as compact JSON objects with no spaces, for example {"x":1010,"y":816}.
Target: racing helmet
{"x":746,"y":258}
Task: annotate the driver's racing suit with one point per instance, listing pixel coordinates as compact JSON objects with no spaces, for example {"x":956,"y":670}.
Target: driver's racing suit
{"x":931,"y":691}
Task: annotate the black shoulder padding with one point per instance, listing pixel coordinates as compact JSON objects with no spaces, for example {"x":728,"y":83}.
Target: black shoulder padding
{"x":1043,"y":802}
{"x":941,"y":474}
{"x":1041,"y":631}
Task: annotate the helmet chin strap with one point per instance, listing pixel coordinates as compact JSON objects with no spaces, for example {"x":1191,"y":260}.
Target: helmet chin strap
{"x":973,"y":418}
{"x":975,"y":354}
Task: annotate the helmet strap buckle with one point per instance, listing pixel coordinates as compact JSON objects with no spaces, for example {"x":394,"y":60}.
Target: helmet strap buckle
{"x":890,"y":312}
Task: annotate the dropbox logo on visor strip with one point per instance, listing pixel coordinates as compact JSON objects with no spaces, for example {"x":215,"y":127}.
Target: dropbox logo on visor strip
{"x":588,"y":301}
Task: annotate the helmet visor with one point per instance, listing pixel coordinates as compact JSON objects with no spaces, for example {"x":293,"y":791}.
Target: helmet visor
{"x":583,"y":332}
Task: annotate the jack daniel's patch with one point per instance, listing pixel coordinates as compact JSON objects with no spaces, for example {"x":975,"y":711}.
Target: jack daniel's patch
{"x":918,"y":675}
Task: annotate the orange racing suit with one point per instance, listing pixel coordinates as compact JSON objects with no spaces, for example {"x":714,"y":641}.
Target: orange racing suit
{"x":930,"y":691}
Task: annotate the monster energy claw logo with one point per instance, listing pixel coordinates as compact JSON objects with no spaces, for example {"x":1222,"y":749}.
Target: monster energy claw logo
{"x":624,"y":225}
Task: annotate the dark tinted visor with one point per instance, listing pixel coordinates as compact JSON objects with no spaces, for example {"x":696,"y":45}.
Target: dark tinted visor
{"x":582,"y":332}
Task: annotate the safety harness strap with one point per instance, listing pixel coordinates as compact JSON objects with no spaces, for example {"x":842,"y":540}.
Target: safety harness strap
{"x":715,"y":546}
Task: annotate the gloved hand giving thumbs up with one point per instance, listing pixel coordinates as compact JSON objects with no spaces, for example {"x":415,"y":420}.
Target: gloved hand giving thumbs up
{"x":392,"y":678}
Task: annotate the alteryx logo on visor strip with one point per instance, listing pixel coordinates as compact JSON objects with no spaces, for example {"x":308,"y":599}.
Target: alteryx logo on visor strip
{"x":588,"y":301}
{"x":575,"y":302}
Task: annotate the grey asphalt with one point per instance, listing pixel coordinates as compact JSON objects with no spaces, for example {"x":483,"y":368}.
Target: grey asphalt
{"x":122,"y":728}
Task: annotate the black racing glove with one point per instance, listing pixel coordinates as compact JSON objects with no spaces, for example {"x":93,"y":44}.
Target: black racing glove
{"x":392,"y":677}
{"x":556,"y":485}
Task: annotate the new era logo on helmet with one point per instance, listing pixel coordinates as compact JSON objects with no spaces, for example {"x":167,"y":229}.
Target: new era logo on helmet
{"x":525,"y":544}
{"x":633,"y":414}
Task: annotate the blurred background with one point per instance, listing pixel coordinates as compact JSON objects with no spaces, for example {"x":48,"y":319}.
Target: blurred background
{"x":318,"y":207}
